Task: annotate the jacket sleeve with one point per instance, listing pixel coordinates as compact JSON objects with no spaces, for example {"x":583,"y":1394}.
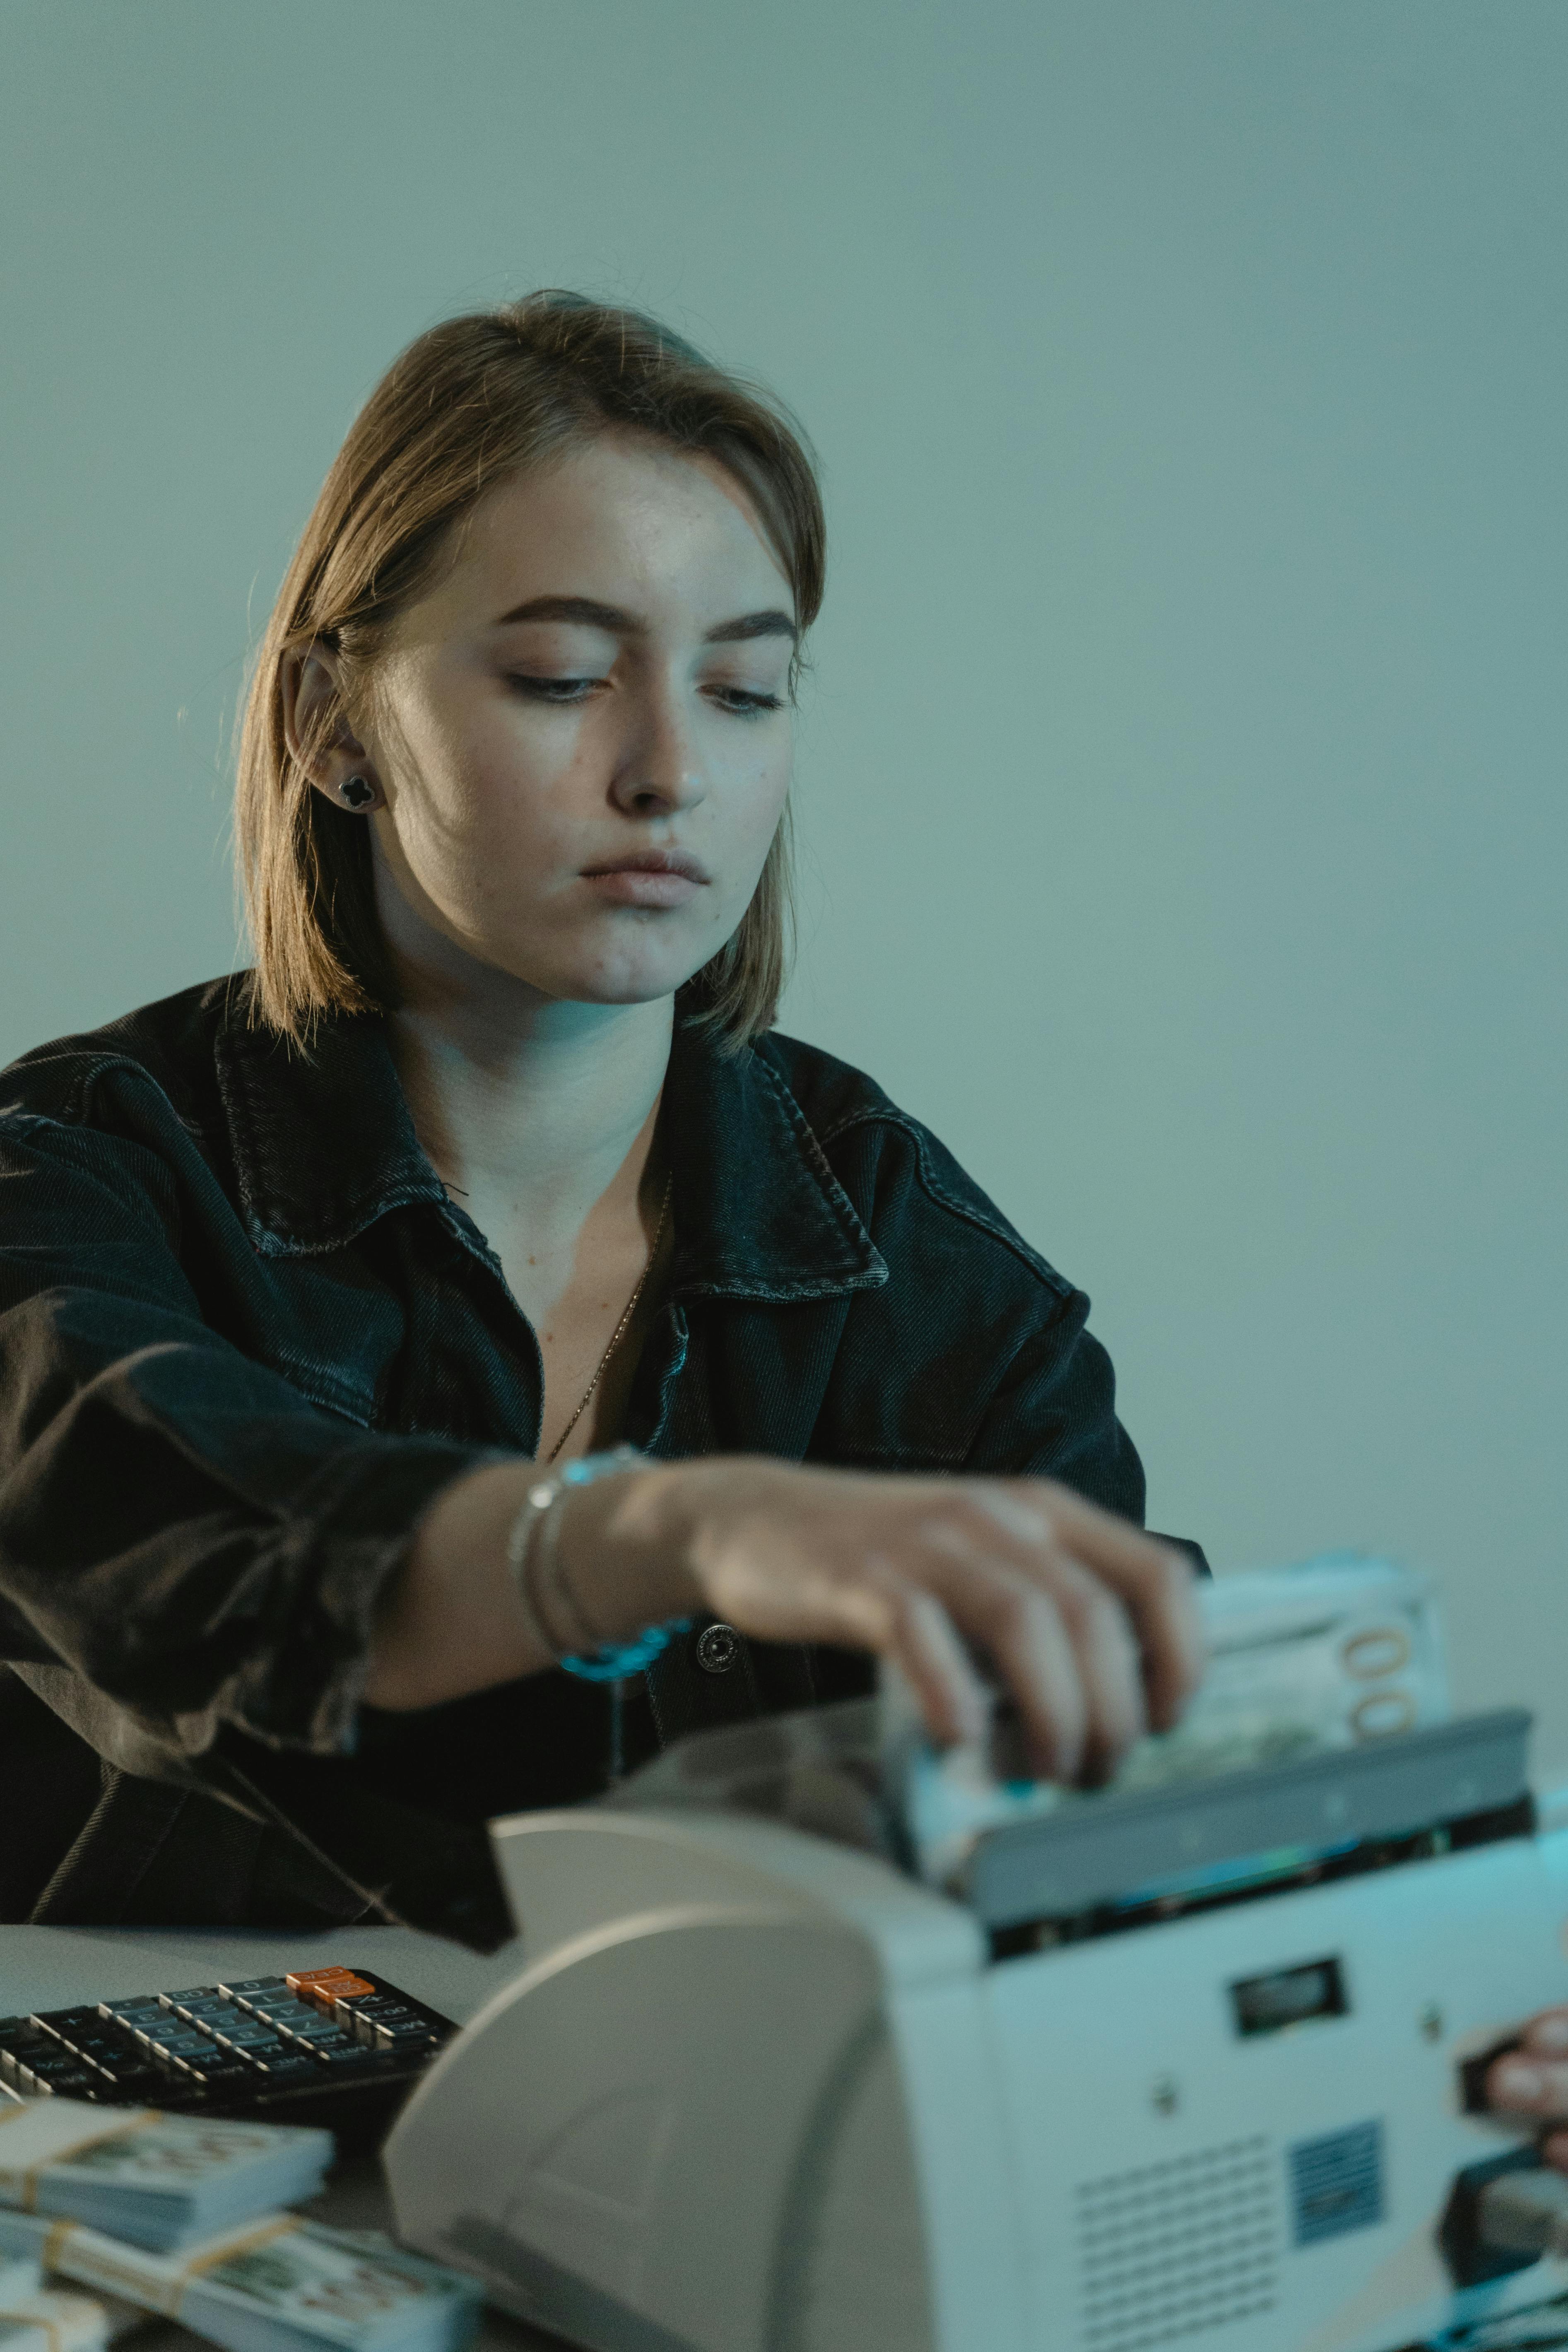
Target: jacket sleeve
{"x":1053,"y":1414}
{"x":178,"y":1525}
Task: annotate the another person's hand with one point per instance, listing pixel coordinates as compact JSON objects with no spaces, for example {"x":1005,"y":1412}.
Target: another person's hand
{"x":1530,"y":2084}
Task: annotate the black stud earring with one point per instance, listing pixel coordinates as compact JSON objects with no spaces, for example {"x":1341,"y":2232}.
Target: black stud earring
{"x":357,"y":792}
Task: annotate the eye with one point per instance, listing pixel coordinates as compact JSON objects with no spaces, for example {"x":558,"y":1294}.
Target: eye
{"x":554,"y":690}
{"x":743,"y":703}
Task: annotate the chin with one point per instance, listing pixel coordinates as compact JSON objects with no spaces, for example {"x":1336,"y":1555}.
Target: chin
{"x":638,"y":970}
{"x":627,"y":982}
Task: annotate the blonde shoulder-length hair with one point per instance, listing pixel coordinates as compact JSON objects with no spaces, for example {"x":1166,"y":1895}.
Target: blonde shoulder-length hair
{"x":476,"y":400}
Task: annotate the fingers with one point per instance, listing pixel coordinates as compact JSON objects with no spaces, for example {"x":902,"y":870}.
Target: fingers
{"x":1055,"y":1638}
{"x":877,"y":1609}
{"x":1106,"y":1651}
{"x":1089,"y":1626}
{"x":1518,"y":2085}
{"x":1021,"y":1631}
{"x":1155,"y":1581}
{"x":919,"y":1638}
{"x":1533,"y":2080}
{"x":1546,"y":2034}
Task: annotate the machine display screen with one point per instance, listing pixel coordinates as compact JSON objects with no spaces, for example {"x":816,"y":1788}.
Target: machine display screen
{"x":1289,"y":1997}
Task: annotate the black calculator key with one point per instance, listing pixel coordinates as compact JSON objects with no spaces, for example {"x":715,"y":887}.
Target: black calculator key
{"x":70,"y":2025}
{"x":22,"y":2033}
{"x":95,"y":2054}
{"x":259,"y":1995}
{"x":283,"y":2016}
{"x":132,"y":2078}
{"x":381,"y":2012}
{"x":284,"y":2069}
{"x":252,"y":2053}
{"x":14,"y":2060}
{"x":318,"y":2033}
{"x":218,"y":2071}
{"x":131,"y":2018}
{"x":54,"y":2069}
{"x":348,"y":2058}
{"x":415,"y":2035}
{"x":20,"y":2041}
{"x":49,"y":2058}
{"x":176,"y":2054}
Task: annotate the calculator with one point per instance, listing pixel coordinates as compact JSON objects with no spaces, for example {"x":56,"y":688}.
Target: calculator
{"x":339,"y":2047}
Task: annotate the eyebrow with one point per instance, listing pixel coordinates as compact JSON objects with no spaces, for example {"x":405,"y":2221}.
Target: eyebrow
{"x":588,"y":614}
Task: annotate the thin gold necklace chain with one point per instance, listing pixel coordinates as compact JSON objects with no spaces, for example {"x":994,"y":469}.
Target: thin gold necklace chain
{"x":619,"y":1333}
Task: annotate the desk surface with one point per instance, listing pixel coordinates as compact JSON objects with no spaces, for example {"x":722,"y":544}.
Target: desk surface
{"x":53,"y":1968}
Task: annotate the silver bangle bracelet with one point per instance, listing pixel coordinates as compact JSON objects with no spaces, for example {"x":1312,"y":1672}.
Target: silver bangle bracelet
{"x":554,"y":1617}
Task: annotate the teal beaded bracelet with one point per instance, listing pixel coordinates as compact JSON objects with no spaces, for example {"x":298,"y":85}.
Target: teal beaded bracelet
{"x":531,"y":1556}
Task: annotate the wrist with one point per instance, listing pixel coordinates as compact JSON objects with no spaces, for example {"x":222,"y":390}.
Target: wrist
{"x":626,"y":1547}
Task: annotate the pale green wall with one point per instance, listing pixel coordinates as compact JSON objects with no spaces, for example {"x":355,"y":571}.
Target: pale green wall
{"x":1183,"y":778}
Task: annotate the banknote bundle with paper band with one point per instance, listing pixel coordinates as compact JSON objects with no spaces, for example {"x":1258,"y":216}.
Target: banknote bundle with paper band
{"x":33,"y":2318}
{"x":160,"y":2181}
{"x":47,"y":2321}
{"x":1330,"y":1655}
{"x":279,"y":2284}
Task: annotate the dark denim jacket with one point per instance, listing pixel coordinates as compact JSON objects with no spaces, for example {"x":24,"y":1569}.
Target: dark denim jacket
{"x":245,"y":1337}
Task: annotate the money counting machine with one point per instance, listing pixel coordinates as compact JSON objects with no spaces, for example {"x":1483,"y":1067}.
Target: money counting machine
{"x":1191,"y":2066}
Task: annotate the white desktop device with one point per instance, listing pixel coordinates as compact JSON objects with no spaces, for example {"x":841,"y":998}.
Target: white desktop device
{"x":1179,"y":2070}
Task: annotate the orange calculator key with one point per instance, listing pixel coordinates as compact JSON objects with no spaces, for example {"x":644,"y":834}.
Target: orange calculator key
{"x":326,"y":1984}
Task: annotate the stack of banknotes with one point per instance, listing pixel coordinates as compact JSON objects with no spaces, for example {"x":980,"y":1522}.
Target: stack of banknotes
{"x":281,"y":2284}
{"x":1300,"y":1660}
{"x":34,"y":2318}
{"x":177,"y":2216}
{"x":162,"y":2182}
{"x":1332,"y":1654}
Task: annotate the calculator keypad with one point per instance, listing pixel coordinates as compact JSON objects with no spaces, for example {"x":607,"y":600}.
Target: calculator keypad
{"x":236,"y":2047}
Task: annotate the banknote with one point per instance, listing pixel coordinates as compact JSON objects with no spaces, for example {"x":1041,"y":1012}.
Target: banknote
{"x":48,"y":2321}
{"x":19,"y":2275}
{"x":1300,"y":1661}
{"x":277,"y":2285}
{"x":162,"y":2182}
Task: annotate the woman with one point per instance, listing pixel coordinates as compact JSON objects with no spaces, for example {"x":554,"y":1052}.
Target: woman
{"x":329,"y":1290}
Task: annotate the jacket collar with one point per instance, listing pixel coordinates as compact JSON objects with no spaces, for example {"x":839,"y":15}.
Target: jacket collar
{"x":759,"y":1214}
{"x":323,"y":1146}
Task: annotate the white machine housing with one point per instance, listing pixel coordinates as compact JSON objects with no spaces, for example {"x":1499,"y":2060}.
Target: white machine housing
{"x":754,"y":2091}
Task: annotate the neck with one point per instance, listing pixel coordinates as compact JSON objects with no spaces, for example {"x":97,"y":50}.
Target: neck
{"x":522,"y":1099}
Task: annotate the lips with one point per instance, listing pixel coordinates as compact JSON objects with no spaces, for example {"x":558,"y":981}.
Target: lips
{"x":647,"y":877}
{"x":651,"y":861}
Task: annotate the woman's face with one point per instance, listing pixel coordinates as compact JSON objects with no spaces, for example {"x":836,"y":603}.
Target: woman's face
{"x":584,"y":732}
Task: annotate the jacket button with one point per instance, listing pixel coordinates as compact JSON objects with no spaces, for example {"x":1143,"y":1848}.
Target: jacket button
{"x":718,"y":1647}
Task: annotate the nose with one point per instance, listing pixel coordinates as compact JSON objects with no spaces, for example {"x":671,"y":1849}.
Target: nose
{"x":660,"y":770}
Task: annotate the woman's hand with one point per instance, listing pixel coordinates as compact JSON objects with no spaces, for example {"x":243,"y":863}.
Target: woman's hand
{"x":1090,"y":1625}
{"x":1531,"y":2082}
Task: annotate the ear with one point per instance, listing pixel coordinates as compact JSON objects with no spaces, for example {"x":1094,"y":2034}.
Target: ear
{"x":311,"y":689}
